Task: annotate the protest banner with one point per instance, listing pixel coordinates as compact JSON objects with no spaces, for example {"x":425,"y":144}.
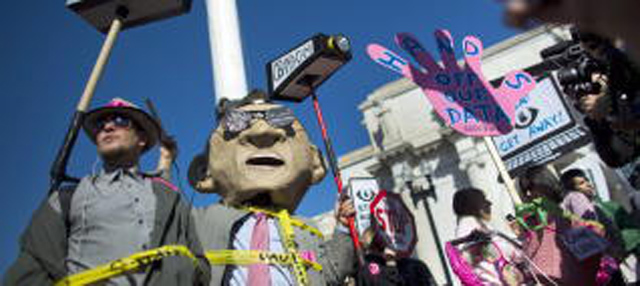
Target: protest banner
{"x":363,"y":191}
{"x":396,"y":222}
{"x":461,"y":96}
{"x":544,"y":130}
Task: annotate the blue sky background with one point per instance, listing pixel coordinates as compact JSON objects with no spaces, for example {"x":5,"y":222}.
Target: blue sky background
{"x":48,"y":52}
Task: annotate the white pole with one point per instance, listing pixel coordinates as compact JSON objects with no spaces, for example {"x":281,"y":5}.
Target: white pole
{"x":502,"y":169}
{"x":226,"y":50}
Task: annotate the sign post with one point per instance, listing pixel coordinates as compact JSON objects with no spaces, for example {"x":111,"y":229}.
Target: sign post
{"x":502,"y":170}
{"x":110,"y":17}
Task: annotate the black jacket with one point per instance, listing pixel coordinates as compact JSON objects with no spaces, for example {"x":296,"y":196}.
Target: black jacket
{"x":43,"y":245}
{"x":615,"y":147}
{"x":408,"y":271}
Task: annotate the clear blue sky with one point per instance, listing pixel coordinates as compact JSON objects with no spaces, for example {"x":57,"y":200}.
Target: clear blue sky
{"x":48,"y":52}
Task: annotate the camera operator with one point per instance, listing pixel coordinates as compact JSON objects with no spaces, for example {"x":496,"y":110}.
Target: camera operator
{"x":614,"y":18}
{"x":604,"y":85}
{"x":596,"y":106}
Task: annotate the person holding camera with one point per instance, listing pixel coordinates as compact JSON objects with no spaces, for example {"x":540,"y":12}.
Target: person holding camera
{"x":603,"y":84}
{"x":611,"y":19}
{"x":614,"y":126}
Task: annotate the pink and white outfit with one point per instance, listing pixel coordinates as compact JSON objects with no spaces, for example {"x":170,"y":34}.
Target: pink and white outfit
{"x":488,"y":261}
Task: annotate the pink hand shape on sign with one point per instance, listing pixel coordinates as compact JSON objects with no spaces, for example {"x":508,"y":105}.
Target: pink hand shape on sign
{"x":462,"y":97}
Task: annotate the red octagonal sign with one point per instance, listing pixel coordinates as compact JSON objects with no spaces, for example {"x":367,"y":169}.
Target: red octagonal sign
{"x":396,"y":222}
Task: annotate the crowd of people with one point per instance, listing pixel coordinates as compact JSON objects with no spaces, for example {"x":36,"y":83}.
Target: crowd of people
{"x":566,"y":237}
{"x":562,"y":234}
{"x":261,"y":162}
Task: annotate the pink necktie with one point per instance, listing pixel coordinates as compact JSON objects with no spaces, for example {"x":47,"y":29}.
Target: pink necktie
{"x":259,"y":273}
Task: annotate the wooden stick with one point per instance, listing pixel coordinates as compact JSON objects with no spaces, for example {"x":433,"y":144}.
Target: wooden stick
{"x":89,"y":89}
{"x":508,"y":181}
{"x":58,"y":171}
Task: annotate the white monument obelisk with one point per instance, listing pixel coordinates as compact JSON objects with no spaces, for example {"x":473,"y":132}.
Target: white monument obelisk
{"x":226,"y":50}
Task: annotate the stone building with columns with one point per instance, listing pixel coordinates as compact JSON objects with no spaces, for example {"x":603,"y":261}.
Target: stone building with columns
{"x":413,"y":154}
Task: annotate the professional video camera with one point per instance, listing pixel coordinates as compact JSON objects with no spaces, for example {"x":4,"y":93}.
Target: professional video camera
{"x":575,"y":66}
{"x":586,"y":54}
{"x":616,"y":134}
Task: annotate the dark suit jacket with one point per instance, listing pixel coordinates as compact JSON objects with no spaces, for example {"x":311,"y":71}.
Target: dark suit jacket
{"x":43,"y":245}
{"x":217,"y":222}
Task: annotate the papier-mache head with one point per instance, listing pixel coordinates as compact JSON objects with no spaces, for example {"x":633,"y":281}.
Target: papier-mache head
{"x":259,"y":155}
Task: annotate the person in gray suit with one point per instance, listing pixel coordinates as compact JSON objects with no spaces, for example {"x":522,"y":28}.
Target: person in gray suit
{"x":260,"y":160}
{"x":110,"y":215}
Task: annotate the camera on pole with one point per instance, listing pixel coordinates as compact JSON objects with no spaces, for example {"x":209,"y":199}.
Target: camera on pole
{"x":296,"y":74}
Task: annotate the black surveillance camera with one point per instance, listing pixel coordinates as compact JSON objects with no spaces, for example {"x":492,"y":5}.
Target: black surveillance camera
{"x":296,"y":74}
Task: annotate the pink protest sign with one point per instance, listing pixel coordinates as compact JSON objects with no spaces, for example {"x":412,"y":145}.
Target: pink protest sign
{"x":462,"y":97}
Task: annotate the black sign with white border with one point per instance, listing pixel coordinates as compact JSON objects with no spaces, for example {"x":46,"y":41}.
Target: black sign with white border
{"x":544,"y":130}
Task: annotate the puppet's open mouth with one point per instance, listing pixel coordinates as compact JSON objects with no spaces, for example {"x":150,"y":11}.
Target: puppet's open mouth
{"x":265,"y":160}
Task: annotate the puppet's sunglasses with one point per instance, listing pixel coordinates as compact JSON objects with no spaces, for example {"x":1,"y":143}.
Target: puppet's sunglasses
{"x":236,"y":120}
{"x":119,"y":121}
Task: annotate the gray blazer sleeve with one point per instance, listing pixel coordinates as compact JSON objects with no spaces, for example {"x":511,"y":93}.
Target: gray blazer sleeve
{"x":338,"y":258}
{"x":42,"y":249}
{"x":203,"y":269}
{"x":175,"y":226}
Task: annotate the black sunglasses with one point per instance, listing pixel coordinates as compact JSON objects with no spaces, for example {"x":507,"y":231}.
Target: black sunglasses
{"x":118,"y":121}
{"x":235,"y":120}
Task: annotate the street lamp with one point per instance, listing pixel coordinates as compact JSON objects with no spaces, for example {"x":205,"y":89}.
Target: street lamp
{"x":421,"y":188}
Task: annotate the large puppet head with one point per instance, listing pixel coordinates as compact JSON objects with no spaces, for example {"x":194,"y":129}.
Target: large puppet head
{"x":258,"y":155}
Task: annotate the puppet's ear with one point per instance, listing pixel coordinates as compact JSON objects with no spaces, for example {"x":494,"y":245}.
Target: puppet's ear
{"x":318,"y":167}
{"x":199,"y":176}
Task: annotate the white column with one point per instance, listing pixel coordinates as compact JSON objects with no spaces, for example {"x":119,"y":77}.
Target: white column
{"x":226,"y":50}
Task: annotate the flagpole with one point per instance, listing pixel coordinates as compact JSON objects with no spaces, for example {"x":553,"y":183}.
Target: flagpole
{"x":229,"y":76}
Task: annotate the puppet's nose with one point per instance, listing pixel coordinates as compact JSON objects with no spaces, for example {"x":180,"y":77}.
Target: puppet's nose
{"x":263,"y":135}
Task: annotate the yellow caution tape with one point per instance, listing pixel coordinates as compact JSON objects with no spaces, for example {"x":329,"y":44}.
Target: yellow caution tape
{"x":294,"y":221}
{"x":249,"y":257}
{"x":122,"y":265}
{"x":288,"y":237}
{"x":237,"y":257}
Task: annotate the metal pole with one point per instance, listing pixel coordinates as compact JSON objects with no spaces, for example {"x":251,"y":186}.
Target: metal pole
{"x":436,"y":237}
{"x":336,"y":173}
{"x":226,"y":50}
